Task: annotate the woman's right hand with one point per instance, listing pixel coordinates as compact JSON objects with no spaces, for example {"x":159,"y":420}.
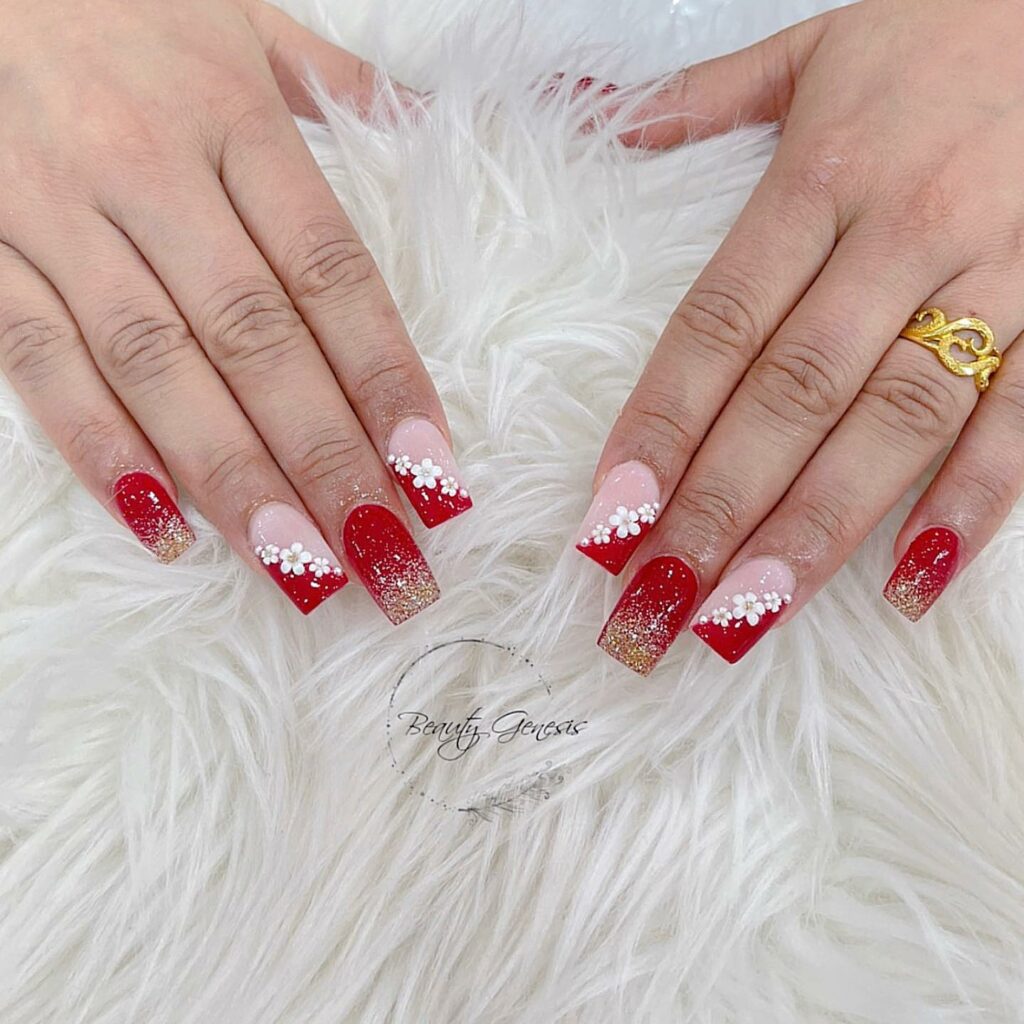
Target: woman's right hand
{"x":182,"y":293}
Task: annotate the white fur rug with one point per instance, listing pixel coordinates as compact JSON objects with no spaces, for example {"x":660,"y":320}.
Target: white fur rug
{"x":210,"y":810}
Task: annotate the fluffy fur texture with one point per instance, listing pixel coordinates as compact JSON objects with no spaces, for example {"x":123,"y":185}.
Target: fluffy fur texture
{"x":199,"y":815}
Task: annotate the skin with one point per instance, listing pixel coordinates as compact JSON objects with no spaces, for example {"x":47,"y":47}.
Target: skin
{"x":158,"y":312}
{"x":778,"y":409}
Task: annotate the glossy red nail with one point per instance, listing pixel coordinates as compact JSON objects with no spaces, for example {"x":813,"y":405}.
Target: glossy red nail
{"x":295,"y":555}
{"x":744,"y":606}
{"x":924,"y":572}
{"x":425,"y":469}
{"x":152,"y":515}
{"x":622,"y":513}
{"x":389,"y":562}
{"x":651,"y":613}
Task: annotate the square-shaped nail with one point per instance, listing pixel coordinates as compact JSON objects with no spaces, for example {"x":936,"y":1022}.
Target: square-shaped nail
{"x":295,"y":554}
{"x":744,"y":606}
{"x":388,"y":561}
{"x":153,"y":515}
{"x":652,"y":611}
{"x":425,"y":469}
{"x":622,"y":513}
{"x":924,"y":572}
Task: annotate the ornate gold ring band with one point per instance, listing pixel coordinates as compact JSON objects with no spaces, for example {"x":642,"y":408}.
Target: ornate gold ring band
{"x":981,"y":358}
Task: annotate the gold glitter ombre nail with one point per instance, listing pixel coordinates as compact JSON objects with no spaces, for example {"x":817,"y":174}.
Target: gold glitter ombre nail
{"x":389,"y":563}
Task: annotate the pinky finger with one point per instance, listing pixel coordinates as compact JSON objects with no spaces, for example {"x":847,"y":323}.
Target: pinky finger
{"x":45,"y":358}
{"x":969,"y":499}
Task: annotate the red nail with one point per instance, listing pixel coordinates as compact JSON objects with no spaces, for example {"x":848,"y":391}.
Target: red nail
{"x":581,"y":85}
{"x":651,"y":613}
{"x":425,"y":469}
{"x":389,"y":563}
{"x":152,"y":515}
{"x":924,"y":572}
{"x":295,"y":555}
{"x":744,"y":606}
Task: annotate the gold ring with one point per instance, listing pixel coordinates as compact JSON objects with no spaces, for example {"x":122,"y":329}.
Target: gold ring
{"x":931,"y":329}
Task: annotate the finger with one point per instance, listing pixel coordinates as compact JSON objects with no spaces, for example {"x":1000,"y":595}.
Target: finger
{"x":312,"y":247}
{"x":968,"y":500}
{"x":764,"y":266}
{"x":909,"y":409}
{"x":45,"y":358}
{"x":792,"y":396}
{"x":298,"y":55}
{"x":753,"y":85}
{"x":149,"y":357}
{"x":263,"y":350}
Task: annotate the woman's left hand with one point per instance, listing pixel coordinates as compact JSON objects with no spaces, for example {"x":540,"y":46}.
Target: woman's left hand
{"x":781,"y":416}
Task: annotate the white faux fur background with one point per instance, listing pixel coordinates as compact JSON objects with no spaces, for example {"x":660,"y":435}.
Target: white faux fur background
{"x":200,"y":820}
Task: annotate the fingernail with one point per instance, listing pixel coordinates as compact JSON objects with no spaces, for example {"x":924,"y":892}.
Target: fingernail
{"x":744,"y":606}
{"x":580,"y":85}
{"x":620,"y":516}
{"x":426,"y":470}
{"x":152,"y":515}
{"x":924,"y":572}
{"x":651,"y":613}
{"x":295,"y":555}
{"x":389,"y":563}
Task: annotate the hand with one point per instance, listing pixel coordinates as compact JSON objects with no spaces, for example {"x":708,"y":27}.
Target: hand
{"x":182,"y":293}
{"x":780,"y":417}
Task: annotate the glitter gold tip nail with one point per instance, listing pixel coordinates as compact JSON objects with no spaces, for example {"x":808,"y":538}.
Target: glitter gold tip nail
{"x":388,"y":562}
{"x":152,"y":515}
{"x":651,"y":613}
{"x":924,"y":572}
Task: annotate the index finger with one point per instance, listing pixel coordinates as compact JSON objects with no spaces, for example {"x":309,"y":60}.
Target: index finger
{"x":767,"y":262}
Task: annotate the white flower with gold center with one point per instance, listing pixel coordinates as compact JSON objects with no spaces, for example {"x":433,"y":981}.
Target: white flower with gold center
{"x":449,"y":486}
{"x":295,"y":559}
{"x":425,"y":474}
{"x":401,"y":464}
{"x":270,"y":553}
{"x":625,"y":521}
{"x":747,"y":607}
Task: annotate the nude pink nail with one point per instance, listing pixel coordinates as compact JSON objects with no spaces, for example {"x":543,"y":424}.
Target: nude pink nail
{"x":622,"y":513}
{"x":295,"y":554}
{"x":744,"y":606}
{"x":426,"y":470}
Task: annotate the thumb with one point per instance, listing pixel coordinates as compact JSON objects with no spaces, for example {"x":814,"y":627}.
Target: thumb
{"x":751,"y":86}
{"x":297,"y":54}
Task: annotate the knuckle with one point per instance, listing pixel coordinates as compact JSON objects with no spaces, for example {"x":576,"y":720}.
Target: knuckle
{"x":824,"y":522}
{"x":326,"y":259}
{"x":32,"y":348}
{"x":328,"y":453}
{"x":985,"y":488}
{"x":720,"y":318}
{"x":96,"y":433}
{"x":714,"y":507}
{"x":921,"y":407}
{"x":827,"y":167}
{"x":798,"y":377}
{"x":233,"y":468}
{"x":658,"y":419}
{"x":388,"y":381}
{"x":1008,"y":393}
{"x":139,"y":348}
{"x":249,"y":326}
